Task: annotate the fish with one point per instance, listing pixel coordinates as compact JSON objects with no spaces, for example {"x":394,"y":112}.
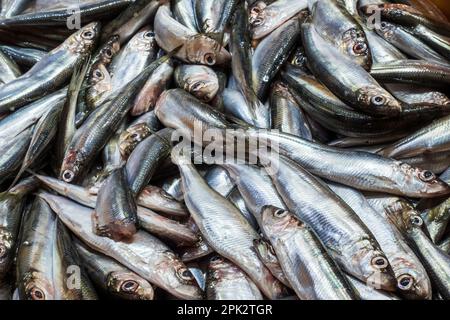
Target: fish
{"x":225,"y":281}
{"x":112,"y":277}
{"x":143,"y":255}
{"x":359,"y":90}
{"x":50,"y":72}
{"x":295,"y":244}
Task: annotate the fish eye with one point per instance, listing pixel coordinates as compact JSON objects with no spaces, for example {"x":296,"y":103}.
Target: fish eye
{"x":378,"y":100}
{"x":210,"y":59}
{"x":416,"y":221}
{"x":98,"y":74}
{"x":149,"y":35}
{"x":129,"y":286}
{"x":3,"y":251}
{"x":383,"y":25}
{"x":68,"y":176}
{"x":379,"y":262}
{"x":280,"y":213}
{"x":405,"y":282}
{"x":255,"y":10}
{"x":427,"y":176}
{"x":134,"y":136}
{"x":258,"y":22}
{"x":37,"y":294}
{"x":196,"y":86}
{"x":108,"y":52}
{"x":360,"y":48}
{"x":88,"y":35}
{"x":185,"y":274}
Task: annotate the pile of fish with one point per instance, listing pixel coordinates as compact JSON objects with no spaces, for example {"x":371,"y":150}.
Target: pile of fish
{"x":349,"y":99}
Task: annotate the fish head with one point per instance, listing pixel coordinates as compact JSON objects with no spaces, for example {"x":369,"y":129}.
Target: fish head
{"x":404,"y":216}
{"x":417,"y":182}
{"x":374,"y":267}
{"x":378,"y":99}
{"x":72,"y":166}
{"x":385,"y":29}
{"x":110,"y":49}
{"x":414,"y":284}
{"x":205,"y":50}
{"x":276,"y":220}
{"x":179,"y":277}
{"x":129,"y":286}
{"x":356,"y":46}
{"x":131,"y":137}
{"x":256,"y":11}
{"x":144,"y":40}
{"x":203,"y":84}
{"x":299,"y":58}
{"x":100,"y":83}
{"x":37,"y":287}
{"x":82,"y":41}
